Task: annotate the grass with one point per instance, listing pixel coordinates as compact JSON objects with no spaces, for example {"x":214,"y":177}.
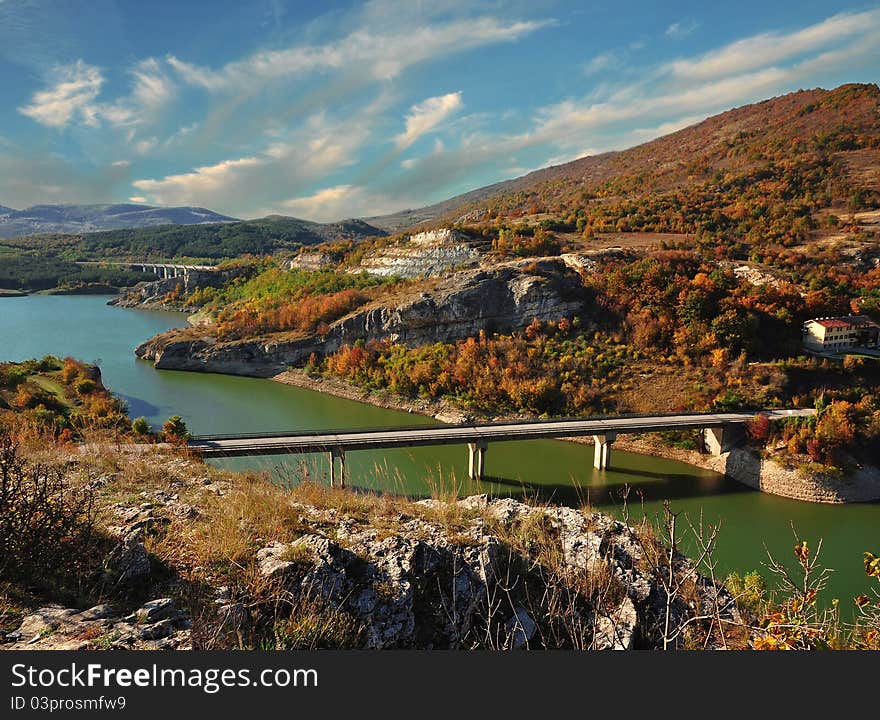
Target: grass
{"x":193,"y":556}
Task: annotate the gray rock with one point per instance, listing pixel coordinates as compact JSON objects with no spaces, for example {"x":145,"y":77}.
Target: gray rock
{"x":504,"y":297}
{"x":155,"y":610}
{"x":128,"y":563}
{"x":520,"y":629}
{"x":98,"y":612}
{"x":617,"y":630}
{"x":158,"y":630}
{"x":43,"y":621}
{"x":271,"y":562}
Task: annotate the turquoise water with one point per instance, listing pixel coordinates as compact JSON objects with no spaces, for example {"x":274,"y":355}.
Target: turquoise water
{"x":87,"y":328}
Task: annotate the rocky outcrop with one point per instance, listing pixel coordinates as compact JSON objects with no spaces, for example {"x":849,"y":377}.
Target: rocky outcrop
{"x":157,"y":625}
{"x":422,"y":585}
{"x":428,"y":254}
{"x":506,"y":297}
{"x":313,"y":261}
{"x":765,"y":474}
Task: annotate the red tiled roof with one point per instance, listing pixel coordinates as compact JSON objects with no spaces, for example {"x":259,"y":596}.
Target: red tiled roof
{"x":831,"y":323}
{"x":862,"y":321}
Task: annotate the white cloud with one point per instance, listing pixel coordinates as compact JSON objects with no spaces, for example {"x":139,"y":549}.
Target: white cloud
{"x":599,"y":63}
{"x":137,"y":199}
{"x":151,"y":91}
{"x":71,"y":96}
{"x":188,"y":188}
{"x":145,"y":145}
{"x":619,"y":116}
{"x":380,"y":55}
{"x":682,"y":28}
{"x":766,"y":49}
{"x":341,"y":201}
{"x":426,"y":116}
{"x":152,"y":88}
{"x":307,"y":155}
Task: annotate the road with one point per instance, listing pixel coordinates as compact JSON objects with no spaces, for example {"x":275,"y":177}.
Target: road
{"x":372,"y":439}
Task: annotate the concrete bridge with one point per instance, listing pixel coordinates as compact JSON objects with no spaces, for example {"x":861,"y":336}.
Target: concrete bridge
{"x":718,"y":431}
{"x":163,"y":270}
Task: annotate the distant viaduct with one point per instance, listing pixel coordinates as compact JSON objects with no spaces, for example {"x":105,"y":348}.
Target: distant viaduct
{"x":163,"y":270}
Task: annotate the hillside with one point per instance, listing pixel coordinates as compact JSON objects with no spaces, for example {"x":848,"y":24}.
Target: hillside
{"x":90,"y":218}
{"x":47,"y":262}
{"x":816,"y":148}
{"x":265,"y":236}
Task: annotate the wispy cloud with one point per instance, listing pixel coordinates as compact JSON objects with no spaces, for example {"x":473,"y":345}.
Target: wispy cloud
{"x":293,"y":163}
{"x":682,"y":28}
{"x":766,"y":49}
{"x":71,"y":96}
{"x":426,"y":116}
{"x":668,"y":98}
{"x":340,"y":201}
{"x":600,"y":63}
{"x":375,"y":54}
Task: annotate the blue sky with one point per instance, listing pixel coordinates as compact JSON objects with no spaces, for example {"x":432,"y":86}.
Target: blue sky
{"x":330,"y":110}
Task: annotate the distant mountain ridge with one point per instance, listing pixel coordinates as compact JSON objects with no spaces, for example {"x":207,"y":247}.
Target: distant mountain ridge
{"x":208,"y":240}
{"x":41,"y":219}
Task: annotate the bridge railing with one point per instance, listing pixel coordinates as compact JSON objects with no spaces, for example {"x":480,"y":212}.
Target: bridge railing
{"x":438,"y":424}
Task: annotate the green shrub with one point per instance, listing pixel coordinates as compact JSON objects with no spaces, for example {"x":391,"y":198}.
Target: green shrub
{"x":175,"y":429}
{"x":84,"y":386}
{"x":140,"y":426}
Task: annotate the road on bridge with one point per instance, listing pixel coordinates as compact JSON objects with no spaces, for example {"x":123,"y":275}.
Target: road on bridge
{"x":477,"y":436}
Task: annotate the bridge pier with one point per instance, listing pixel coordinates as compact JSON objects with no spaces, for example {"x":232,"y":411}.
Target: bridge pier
{"x":717,"y":439}
{"x":477,"y":459}
{"x":602,"y":450}
{"x":337,"y":453}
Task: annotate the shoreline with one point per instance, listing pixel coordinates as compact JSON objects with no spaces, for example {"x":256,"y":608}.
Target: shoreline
{"x":450,"y":413}
{"x":741,"y":465}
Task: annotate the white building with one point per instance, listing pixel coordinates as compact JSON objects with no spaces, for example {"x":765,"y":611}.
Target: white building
{"x":836,"y":334}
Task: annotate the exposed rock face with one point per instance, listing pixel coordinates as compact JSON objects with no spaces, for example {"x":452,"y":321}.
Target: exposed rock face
{"x":311,"y":261}
{"x":580,"y":261}
{"x":755,"y":276}
{"x":507,"y":297}
{"x":745,"y":466}
{"x":428,"y":254}
{"x":426,"y":587}
{"x":157,"y":625}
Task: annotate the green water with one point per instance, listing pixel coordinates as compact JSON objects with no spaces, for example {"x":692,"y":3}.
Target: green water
{"x":85,"y":327}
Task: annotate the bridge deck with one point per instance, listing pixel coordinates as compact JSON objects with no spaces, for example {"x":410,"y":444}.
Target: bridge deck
{"x":310,"y":442}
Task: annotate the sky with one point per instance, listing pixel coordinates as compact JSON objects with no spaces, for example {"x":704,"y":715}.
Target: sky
{"x":333,"y":109}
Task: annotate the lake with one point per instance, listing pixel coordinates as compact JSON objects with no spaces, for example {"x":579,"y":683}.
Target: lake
{"x":87,"y":328}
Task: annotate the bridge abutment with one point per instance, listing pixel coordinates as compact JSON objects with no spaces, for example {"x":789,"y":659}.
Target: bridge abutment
{"x":717,"y":439}
{"x":477,"y":460}
{"x":602,"y":450}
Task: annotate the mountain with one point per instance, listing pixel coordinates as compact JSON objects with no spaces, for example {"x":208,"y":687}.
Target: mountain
{"x":819,"y":147}
{"x":90,"y":218}
{"x":209,"y":240}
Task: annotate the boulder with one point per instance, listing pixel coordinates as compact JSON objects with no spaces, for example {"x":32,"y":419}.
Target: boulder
{"x":128,"y":563}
